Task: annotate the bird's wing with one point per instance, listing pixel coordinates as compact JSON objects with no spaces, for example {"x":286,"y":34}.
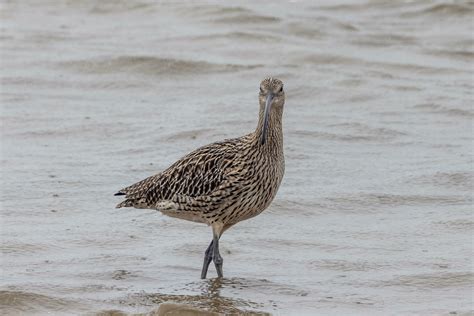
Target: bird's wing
{"x":195,"y":176}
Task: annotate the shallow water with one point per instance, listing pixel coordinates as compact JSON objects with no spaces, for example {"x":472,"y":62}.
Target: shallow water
{"x":374,"y":215}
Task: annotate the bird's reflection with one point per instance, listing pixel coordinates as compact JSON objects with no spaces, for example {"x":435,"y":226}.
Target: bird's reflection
{"x":212,"y":287}
{"x":210,"y":298}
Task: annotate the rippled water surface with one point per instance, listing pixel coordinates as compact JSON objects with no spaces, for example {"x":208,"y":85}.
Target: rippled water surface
{"x":374,"y":215}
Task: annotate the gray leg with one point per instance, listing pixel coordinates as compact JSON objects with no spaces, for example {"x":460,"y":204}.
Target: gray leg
{"x":216,"y":256}
{"x":207,"y":260}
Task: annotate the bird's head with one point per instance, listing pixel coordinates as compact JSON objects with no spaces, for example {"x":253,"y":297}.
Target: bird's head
{"x":271,"y":96}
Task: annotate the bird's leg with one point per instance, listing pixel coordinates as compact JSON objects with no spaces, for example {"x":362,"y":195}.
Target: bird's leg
{"x":216,"y":257}
{"x":207,"y":260}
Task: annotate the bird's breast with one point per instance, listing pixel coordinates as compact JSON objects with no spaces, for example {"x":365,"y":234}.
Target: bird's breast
{"x":262,"y":180}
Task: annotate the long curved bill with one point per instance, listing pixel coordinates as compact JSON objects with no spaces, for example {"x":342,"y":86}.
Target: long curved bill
{"x":268,"y":104}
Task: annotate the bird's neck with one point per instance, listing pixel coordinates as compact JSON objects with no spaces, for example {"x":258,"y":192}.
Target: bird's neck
{"x":274,"y":134}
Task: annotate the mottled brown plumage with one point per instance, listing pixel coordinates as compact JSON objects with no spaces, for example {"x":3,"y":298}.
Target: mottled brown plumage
{"x":221,"y":183}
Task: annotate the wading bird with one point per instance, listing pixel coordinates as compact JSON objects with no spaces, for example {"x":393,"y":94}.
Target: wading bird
{"x":222,"y":183}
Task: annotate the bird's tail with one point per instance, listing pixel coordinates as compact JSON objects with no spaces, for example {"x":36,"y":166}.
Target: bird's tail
{"x":134,"y":201}
{"x":126,"y":203}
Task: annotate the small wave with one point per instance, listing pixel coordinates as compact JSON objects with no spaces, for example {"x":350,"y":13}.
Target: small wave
{"x":41,"y":38}
{"x":72,"y":84}
{"x":359,"y":202}
{"x":334,"y":137}
{"x":344,"y":265}
{"x":114,"y":6}
{"x":212,"y":10}
{"x":351,"y":82}
{"x":460,"y":224}
{"x":115,"y":312}
{"x":84,"y":130}
{"x":437,"y":108}
{"x":149,"y":65}
{"x":19,"y":302}
{"x":292,"y":206}
{"x":21,"y":248}
{"x":234,"y":36}
{"x":352,"y":7}
{"x":365,"y":129}
{"x":188,"y":134}
{"x":384,"y":40}
{"x":353,"y":133}
{"x":228,"y":15}
{"x":304,"y":30}
{"x":247,"y":19}
{"x":254,"y":36}
{"x":324,"y":59}
{"x":443,"y":10}
{"x":459,"y":180}
{"x":433,"y":280}
{"x":411,"y":67}
{"x":464,"y":55}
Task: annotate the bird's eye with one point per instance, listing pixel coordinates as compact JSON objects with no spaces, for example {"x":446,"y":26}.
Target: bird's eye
{"x":281,"y":90}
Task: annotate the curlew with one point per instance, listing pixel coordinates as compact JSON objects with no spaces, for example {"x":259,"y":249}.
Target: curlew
{"x":222,"y":183}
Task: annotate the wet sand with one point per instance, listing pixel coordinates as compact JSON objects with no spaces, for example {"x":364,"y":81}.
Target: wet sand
{"x":374,"y":215}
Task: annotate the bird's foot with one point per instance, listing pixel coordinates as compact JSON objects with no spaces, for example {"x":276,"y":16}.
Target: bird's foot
{"x":207,"y":260}
{"x":218,"y":262}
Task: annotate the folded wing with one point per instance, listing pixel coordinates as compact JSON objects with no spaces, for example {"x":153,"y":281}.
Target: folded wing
{"x":193,"y":179}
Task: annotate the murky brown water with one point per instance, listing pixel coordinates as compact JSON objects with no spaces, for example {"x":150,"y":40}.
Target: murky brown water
{"x":374,"y":215}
